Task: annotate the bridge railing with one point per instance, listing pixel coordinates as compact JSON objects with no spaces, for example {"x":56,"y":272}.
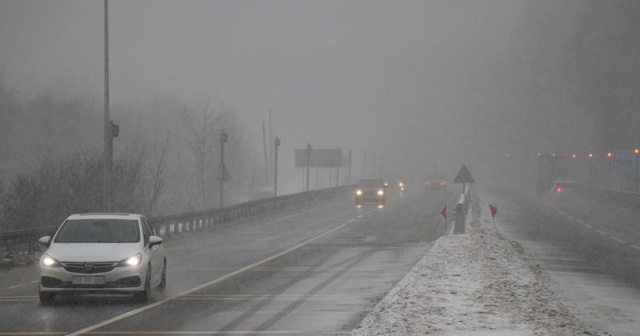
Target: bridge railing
{"x":168,"y":226}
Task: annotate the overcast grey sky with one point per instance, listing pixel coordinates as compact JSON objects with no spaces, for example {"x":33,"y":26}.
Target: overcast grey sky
{"x":327,"y":69}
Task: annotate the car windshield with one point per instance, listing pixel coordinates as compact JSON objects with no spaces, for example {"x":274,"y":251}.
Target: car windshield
{"x":99,"y":231}
{"x":371,"y":184}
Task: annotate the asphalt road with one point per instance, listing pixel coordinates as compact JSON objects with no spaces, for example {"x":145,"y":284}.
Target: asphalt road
{"x":316,"y":270}
{"x":588,"y":249}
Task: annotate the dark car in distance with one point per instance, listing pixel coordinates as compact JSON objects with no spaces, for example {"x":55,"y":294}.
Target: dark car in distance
{"x":370,"y":191}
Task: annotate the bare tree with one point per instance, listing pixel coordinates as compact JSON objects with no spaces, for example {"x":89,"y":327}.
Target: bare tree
{"x":202,"y":128}
{"x":156,"y":179}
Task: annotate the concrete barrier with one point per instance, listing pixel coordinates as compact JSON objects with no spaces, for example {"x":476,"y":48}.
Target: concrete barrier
{"x":462,"y":209}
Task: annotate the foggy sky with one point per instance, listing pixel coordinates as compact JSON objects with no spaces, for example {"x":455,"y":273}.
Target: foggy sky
{"x":393,"y":78}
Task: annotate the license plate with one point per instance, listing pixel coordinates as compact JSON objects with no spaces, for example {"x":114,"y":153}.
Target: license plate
{"x":93,"y":280}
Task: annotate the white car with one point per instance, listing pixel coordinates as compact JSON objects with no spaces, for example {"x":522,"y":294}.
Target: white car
{"x":562,"y":188}
{"x":102,"y":253}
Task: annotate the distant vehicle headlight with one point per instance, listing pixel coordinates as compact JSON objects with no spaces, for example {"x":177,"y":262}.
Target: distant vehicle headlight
{"x":380,"y":192}
{"x":359,"y":192}
{"x":131,"y":261}
{"x":49,"y":261}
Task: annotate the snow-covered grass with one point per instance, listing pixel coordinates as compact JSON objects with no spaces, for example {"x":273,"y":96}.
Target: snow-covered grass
{"x":472,"y":284}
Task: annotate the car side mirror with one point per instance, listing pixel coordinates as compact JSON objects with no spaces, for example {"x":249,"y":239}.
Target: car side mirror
{"x":46,"y":241}
{"x":155,"y":240}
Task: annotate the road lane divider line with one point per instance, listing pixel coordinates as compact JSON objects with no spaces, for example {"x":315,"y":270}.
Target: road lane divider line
{"x":618,"y":240}
{"x":602,"y":233}
{"x":207,"y":284}
{"x":18,"y":298}
{"x":635,"y":247}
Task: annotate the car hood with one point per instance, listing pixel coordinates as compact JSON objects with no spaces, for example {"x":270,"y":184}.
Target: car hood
{"x":78,"y":252}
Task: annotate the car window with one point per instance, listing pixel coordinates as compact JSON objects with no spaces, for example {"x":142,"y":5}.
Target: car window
{"x":98,"y":231}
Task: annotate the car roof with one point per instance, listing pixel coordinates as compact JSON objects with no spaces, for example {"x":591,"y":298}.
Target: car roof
{"x":105,"y":215}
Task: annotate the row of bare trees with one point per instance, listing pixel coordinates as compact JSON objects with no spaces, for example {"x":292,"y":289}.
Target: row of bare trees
{"x":166,"y":157}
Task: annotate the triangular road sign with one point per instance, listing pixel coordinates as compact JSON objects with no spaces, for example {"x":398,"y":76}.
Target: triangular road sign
{"x":464,"y":176}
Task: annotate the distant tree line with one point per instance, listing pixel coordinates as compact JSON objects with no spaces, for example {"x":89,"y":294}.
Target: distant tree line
{"x":166,"y":158}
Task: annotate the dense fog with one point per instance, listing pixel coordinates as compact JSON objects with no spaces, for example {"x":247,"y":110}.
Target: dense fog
{"x":409,"y":87}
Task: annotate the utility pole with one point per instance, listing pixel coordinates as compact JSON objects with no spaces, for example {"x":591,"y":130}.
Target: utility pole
{"x":223,"y":138}
{"x":308,"y":164}
{"x":266,"y":161}
{"x":276,"y":142}
{"x":349,"y":179}
{"x":365,"y":164}
{"x":107,"y":156}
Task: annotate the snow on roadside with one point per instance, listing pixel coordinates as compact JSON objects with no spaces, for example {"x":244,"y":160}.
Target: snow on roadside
{"x":472,"y":284}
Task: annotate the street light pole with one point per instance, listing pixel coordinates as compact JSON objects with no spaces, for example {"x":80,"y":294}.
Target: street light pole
{"x":609,"y":155}
{"x":223,"y":138}
{"x":107,"y":156}
{"x":308,"y":164}
{"x":637,"y":151}
{"x":275,"y":178}
{"x":590,"y":157}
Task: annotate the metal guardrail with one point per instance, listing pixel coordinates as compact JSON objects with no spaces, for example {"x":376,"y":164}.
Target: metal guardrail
{"x":168,"y":226}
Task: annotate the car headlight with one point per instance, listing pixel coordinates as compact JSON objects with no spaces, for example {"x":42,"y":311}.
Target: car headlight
{"x":380,"y":192}
{"x":359,"y":192}
{"x":49,"y":261}
{"x":131,"y":261}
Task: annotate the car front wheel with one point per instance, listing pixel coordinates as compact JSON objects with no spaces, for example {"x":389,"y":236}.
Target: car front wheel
{"x":143,"y":295}
{"x":163,"y":282}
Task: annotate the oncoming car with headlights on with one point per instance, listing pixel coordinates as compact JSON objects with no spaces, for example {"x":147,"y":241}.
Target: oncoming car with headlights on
{"x":102,"y":253}
{"x":371,"y":191}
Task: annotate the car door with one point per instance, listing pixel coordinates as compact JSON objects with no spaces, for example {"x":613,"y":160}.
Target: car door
{"x":156,"y":253}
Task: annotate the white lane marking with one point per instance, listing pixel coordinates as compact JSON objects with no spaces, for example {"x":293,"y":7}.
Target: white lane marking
{"x":212,"y":282}
{"x":598,"y":231}
{"x":16,"y":286}
{"x":618,"y":240}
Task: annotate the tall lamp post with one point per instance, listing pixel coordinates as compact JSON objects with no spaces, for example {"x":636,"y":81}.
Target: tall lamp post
{"x":308,"y":163}
{"x":223,"y":173}
{"x":573,"y":167}
{"x":609,"y":155}
{"x":590,"y":157}
{"x":107,"y":156}
{"x":276,"y":143}
{"x":637,"y":151}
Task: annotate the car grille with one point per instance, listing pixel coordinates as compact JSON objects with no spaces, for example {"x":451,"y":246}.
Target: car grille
{"x":89,"y":267}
